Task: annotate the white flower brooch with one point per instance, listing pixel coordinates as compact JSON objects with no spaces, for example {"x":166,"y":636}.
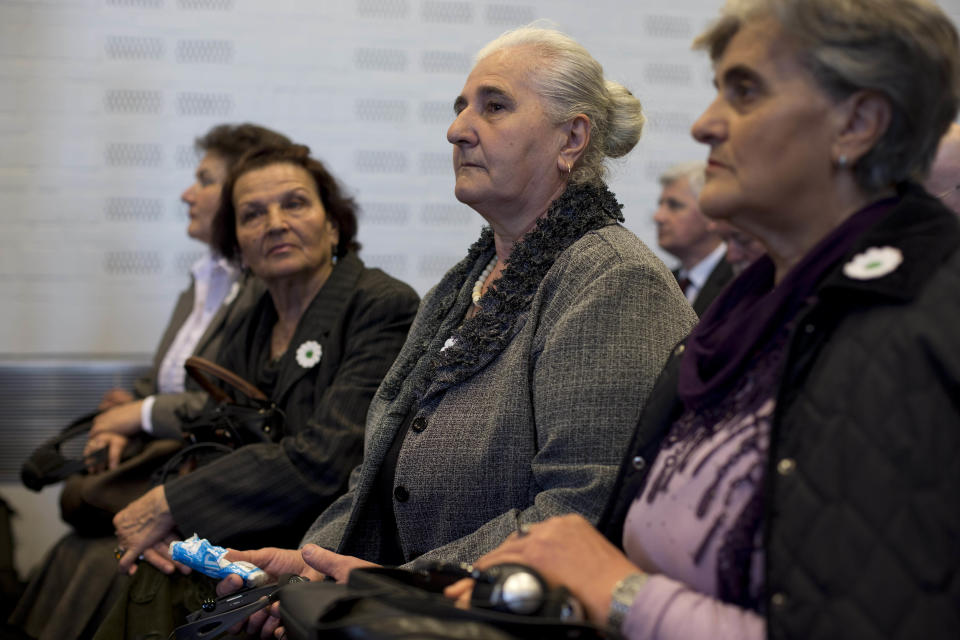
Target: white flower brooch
{"x":875,"y":262}
{"x":308,"y":354}
{"x":451,"y":342}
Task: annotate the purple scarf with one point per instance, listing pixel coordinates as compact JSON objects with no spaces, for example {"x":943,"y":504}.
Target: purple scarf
{"x":750,"y":310}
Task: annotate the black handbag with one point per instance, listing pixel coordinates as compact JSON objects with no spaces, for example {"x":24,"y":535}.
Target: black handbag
{"x":88,"y":502}
{"x":229,"y":425}
{"x":47,"y":465}
{"x":388,"y":604}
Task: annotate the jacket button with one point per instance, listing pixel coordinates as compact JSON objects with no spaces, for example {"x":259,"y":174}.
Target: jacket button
{"x":809,"y":328}
{"x":786,"y":466}
{"x":638,"y":463}
{"x":419,"y":424}
{"x":401,"y":493}
{"x":778,"y":600}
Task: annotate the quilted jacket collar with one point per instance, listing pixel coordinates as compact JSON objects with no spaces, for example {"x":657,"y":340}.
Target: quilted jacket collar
{"x":925,"y":232}
{"x":580,"y":209}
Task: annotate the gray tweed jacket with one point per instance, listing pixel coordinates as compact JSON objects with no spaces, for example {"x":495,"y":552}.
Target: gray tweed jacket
{"x":536,"y":426}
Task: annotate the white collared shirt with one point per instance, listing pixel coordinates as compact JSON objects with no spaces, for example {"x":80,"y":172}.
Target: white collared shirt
{"x":215,"y":282}
{"x":701,"y":271}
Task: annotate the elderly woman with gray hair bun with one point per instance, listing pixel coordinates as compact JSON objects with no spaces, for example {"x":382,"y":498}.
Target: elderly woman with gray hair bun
{"x":795,"y":474}
{"x":528,"y":364}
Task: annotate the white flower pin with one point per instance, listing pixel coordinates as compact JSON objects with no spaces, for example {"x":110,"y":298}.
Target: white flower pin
{"x":875,"y":262}
{"x":449,"y":343}
{"x":308,"y":354}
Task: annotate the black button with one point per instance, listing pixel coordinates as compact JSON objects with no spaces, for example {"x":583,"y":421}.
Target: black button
{"x":401,"y":494}
{"x":419,"y":424}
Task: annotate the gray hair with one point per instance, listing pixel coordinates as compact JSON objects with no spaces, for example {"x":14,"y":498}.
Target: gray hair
{"x":571,"y":82}
{"x":906,"y":50}
{"x":694,"y":172}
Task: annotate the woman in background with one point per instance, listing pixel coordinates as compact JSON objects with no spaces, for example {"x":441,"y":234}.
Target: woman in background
{"x":317,"y":343}
{"x":76,"y":576}
{"x":163,"y":398}
{"x":795,"y":472}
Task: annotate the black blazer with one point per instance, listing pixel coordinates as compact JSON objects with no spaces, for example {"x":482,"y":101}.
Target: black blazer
{"x":270,"y":493}
{"x":716,"y":281}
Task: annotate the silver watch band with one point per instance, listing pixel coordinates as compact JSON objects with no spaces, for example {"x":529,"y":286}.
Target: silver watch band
{"x":622,"y":597}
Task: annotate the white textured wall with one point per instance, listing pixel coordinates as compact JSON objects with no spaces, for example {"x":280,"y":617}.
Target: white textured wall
{"x":100,"y":101}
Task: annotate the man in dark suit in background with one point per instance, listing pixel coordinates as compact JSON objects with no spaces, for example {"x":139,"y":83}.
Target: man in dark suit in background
{"x":683,"y":231}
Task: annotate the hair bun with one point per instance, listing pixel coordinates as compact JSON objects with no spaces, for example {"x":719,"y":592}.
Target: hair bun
{"x":625,"y":120}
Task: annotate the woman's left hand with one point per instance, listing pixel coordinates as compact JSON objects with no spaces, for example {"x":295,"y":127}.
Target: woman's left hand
{"x":123,"y":419}
{"x":114,"y":443}
{"x":141,"y":527}
{"x":565,"y":550}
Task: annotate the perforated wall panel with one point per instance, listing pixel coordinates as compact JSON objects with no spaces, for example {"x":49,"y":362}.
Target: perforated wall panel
{"x":100,"y":101}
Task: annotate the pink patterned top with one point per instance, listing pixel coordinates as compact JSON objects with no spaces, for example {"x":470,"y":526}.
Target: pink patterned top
{"x":697,"y":523}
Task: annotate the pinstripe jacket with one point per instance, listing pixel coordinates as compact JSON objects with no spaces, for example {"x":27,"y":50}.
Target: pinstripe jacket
{"x":270,"y":493}
{"x":527,"y":411}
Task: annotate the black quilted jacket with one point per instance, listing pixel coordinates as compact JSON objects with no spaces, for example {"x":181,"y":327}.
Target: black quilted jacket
{"x":863,"y":484}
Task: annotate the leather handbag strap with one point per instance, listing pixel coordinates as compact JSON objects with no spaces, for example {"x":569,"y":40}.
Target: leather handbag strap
{"x":198,"y":368}
{"x":46,"y":465}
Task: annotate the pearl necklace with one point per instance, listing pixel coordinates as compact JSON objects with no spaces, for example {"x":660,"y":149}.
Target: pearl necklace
{"x":478,"y":285}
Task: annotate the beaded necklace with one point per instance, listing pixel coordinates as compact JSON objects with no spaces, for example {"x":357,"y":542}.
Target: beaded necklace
{"x":478,"y":285}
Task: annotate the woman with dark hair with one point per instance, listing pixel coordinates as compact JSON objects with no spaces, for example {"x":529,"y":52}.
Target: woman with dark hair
{"x":317,"y":342}
{"x":795,"y":473}
{"x":220,"y":291}
{"x":61,"y":599}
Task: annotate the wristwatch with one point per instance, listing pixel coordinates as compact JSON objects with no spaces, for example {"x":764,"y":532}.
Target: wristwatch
{"x":622,"y":597}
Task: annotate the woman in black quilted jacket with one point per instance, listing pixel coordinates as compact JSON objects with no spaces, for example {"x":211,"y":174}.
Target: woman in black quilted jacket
{"x":796,"y":473}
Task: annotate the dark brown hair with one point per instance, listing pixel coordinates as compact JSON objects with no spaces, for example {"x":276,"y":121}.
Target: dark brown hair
{"x":231,"y":141}
{"x":339,"y":207}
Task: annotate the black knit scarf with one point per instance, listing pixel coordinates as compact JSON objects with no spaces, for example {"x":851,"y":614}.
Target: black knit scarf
{"x":579,"y":210}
